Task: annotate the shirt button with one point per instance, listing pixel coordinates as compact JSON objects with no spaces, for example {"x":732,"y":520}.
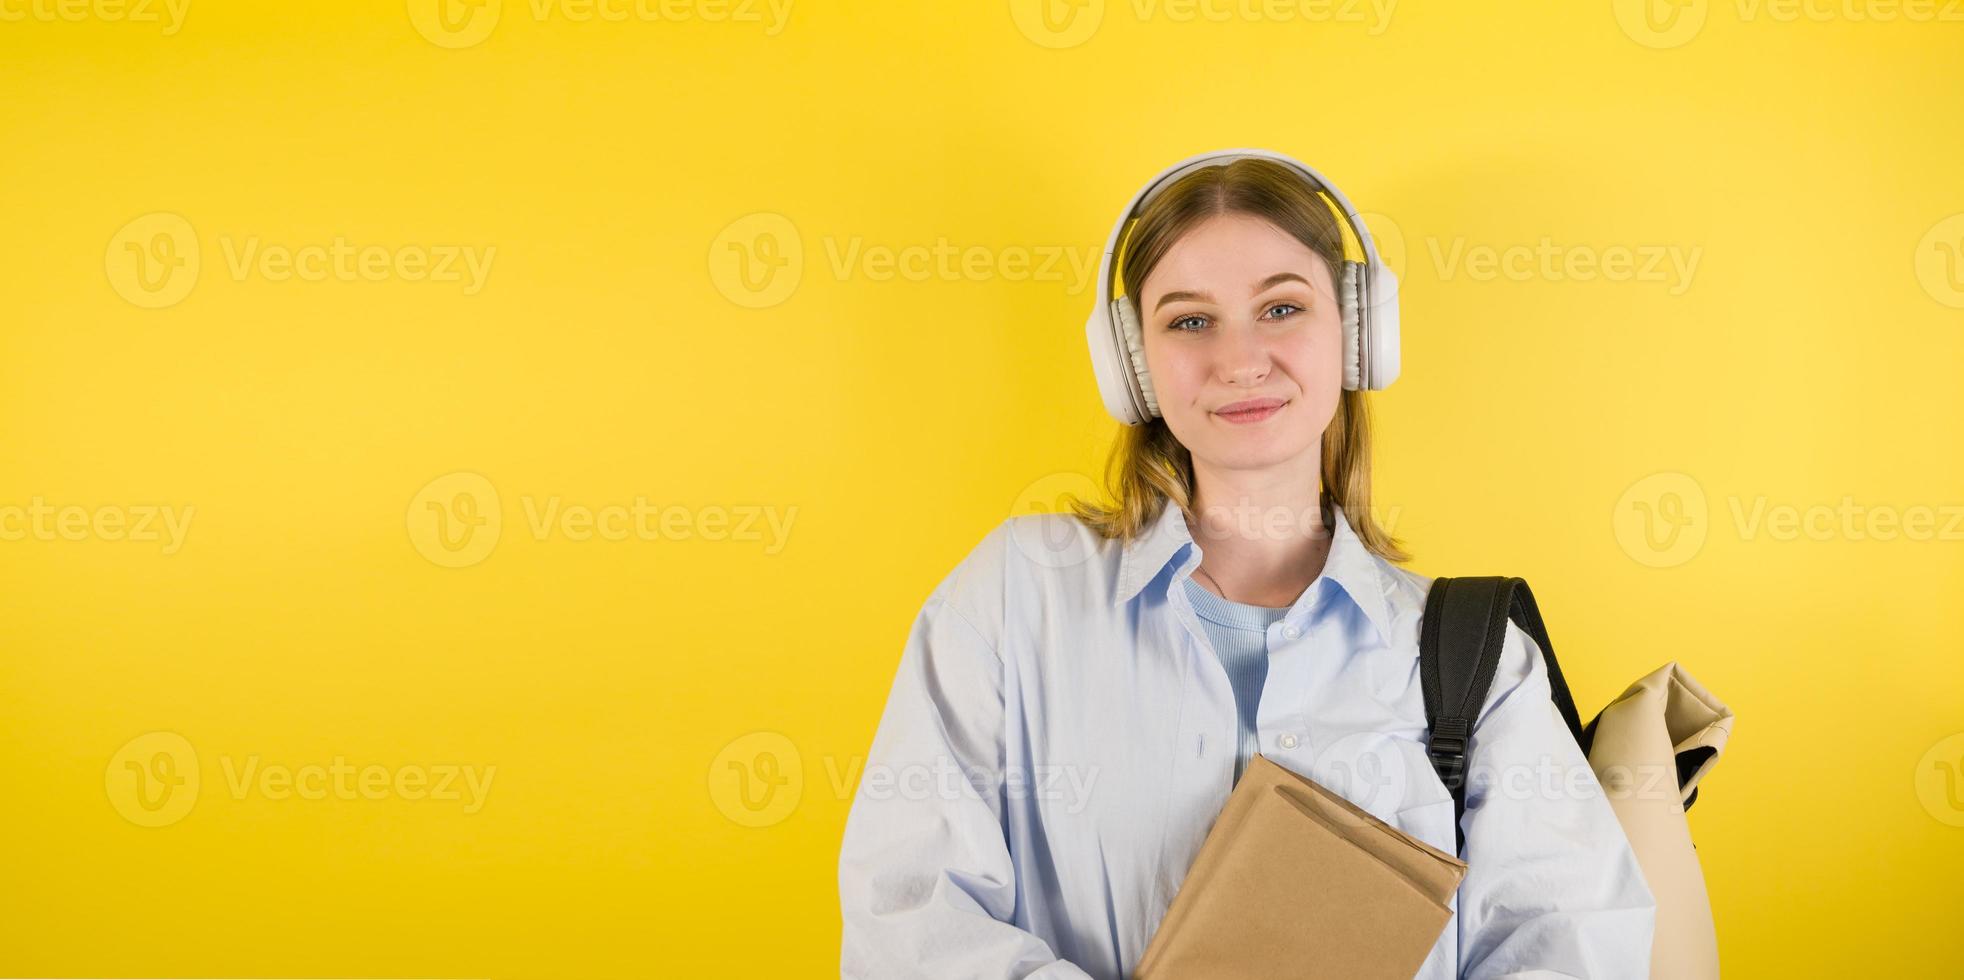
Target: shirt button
{"x":1286,"y":741}
{"x":1291,"y":631}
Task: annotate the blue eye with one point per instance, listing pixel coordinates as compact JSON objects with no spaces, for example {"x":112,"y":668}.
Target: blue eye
{"x":1198,"y":322}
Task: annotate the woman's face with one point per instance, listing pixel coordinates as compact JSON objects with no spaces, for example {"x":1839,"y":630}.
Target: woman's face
{"x":1238,"y":314}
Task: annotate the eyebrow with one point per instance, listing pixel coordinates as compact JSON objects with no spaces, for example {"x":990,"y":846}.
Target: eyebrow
{"x":1265,"y":284}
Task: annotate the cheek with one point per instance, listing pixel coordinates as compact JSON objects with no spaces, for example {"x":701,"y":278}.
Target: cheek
{"x":1174,"y":369}
{"x":1316,"y":364}
{"x":1315,"y":357}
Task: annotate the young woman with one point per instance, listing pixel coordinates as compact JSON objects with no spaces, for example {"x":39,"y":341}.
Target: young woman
{"x":1079,"y":695}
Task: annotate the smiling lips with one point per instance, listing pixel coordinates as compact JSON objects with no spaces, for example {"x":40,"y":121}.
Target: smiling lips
{"x":1250,"y":411}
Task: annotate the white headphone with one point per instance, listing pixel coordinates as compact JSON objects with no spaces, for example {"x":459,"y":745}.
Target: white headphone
{"x":1367,"y":293}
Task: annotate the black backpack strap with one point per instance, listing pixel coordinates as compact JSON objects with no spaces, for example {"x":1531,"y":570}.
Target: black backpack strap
{"x":1459,"y":644}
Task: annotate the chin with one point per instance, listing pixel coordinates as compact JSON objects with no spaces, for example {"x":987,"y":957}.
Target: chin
{"x":1256,"y":453}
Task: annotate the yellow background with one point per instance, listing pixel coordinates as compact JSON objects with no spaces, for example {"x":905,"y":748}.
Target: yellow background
{"x":1814,"y":356}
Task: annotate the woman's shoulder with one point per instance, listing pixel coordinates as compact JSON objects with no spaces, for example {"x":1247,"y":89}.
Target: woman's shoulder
{"x":1045,"y":544}
{"x":1404,"y":587}
{"x":1026,"y":558}
{"x":1404,"y":591}
{"x":1521,"y":661}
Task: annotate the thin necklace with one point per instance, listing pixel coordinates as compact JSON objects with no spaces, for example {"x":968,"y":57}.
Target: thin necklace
{"x":1217,"y":585}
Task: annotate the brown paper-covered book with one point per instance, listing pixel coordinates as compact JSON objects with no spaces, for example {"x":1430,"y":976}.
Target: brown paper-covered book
{"x":1293,"y":880}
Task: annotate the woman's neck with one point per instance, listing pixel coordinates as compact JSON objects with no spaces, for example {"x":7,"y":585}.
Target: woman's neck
{"x":1259,"y":545}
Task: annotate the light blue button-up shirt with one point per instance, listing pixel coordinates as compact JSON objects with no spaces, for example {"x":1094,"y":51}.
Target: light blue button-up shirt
{"x":1058,"y":740}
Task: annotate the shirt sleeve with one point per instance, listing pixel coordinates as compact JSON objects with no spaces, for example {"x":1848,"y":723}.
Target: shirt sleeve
{"x":926,"y":884}
{"x":1553,"y":888}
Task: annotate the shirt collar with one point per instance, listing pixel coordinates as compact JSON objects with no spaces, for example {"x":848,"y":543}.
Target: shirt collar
{"x":1350,"y":564}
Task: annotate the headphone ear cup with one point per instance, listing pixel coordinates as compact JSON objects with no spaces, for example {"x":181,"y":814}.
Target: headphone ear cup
{"x":1350,"y":298}
{"x":1127,"y":317}
{"x":1384,"y":327}
{"x":1111,"y":365}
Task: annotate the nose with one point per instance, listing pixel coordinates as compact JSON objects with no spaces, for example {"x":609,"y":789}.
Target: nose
{"x":1243,"y":355}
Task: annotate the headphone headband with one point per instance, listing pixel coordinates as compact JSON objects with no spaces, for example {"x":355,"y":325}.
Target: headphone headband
{"x":1107,"y":266}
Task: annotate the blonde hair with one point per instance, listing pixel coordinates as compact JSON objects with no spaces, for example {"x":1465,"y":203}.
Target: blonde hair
{"x":1148,"y":467}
